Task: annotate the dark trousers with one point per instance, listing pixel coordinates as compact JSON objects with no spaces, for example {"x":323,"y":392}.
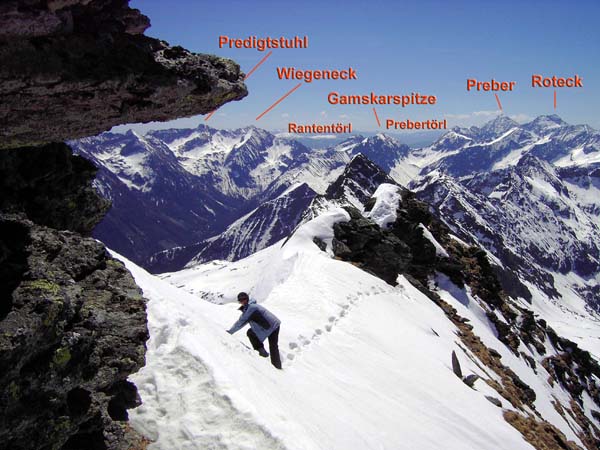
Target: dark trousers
{"x":273,"y":345}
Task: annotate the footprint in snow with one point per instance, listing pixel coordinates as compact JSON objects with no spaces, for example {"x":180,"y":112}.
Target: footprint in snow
{"x":303,"y":342}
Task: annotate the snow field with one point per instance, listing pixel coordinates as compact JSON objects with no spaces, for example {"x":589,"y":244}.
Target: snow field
{"x":366,"y":365}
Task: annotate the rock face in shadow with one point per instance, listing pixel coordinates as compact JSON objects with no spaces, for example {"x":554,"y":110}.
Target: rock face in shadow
{"x":71,"y":331}
{"x":51,"y":186}
{"x":76,"y":68}
{"x":72,"y":320}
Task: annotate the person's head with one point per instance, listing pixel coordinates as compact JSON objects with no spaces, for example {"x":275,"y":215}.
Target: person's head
{"x":243,"y":298}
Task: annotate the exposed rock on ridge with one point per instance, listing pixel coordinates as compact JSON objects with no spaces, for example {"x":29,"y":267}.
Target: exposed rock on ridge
{"x":77,"y":68}
{"x":72,"y":320}
{"x":73,"y":331}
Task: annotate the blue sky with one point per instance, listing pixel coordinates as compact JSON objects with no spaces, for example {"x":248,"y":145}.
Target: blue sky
{"x":397,"y":47}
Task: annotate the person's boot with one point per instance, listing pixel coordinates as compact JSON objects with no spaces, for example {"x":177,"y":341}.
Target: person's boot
{"x":262,"y":352}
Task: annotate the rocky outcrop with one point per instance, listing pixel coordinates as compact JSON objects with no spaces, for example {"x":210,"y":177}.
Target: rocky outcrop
{"x":51,"y":186}
{"x":402,"y":248}
{"x":376,"y":251}
{"x":72,"y":320}
{"x":74,"y":68}
{"x":71,"y":331}
{"x":360,"y":179}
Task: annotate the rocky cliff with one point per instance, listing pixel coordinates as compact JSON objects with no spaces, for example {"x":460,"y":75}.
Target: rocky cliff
{"x":72,"y":320}
{"x":75,"y":68}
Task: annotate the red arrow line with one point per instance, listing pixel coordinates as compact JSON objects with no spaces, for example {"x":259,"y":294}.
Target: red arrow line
{"x":554,"y":99}
{"x":498,"y":100}
{"x":377,"y":117}
{"x":256,"y":66}
{"x":210,"y":114}
{"x":278,"y":101}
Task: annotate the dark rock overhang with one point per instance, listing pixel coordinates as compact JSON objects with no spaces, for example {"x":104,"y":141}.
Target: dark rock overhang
{"x":75,"y":68}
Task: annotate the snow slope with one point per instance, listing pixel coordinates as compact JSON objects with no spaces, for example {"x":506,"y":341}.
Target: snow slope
{"x":366,"y":365}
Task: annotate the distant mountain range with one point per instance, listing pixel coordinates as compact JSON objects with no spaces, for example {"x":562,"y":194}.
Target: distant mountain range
{"x":172,"y":189}
{"x":528,"y":194}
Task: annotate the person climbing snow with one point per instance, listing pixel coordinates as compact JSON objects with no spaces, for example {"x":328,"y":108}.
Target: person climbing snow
{"x":263,"y":324}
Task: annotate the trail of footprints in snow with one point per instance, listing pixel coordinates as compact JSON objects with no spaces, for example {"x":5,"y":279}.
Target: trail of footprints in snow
{"x":302,"y":342}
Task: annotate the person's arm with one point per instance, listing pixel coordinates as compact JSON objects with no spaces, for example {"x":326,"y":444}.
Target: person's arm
{"x":243,"y":320}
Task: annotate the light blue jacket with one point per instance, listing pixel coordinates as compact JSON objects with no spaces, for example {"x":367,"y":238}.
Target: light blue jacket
{"x":262,"y":321}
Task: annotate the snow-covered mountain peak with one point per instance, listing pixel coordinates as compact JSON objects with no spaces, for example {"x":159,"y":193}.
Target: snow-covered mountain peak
{"x":357,"y":159}
{"x":178,"y":137}
{"x":255,"y":135}
{"x":490,"y":133}
{"x":382,"y":149}
{"x":382,"y":139}
{"x":133,"y":135}
{"x":497,"y":127}
{"x":386,"y":139}
{"x":354,"y":186}
{"x":252,"y":144}
{"x":541,"y":125}
{"x":133,"y":158}
{"x":134,"y":143}
{"x":348,"y":144}
{"x":456,"y":134}
{"x":359,"y":180}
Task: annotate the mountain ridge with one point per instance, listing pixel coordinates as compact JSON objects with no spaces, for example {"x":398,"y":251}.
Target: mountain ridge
{"x":530,"y":158}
